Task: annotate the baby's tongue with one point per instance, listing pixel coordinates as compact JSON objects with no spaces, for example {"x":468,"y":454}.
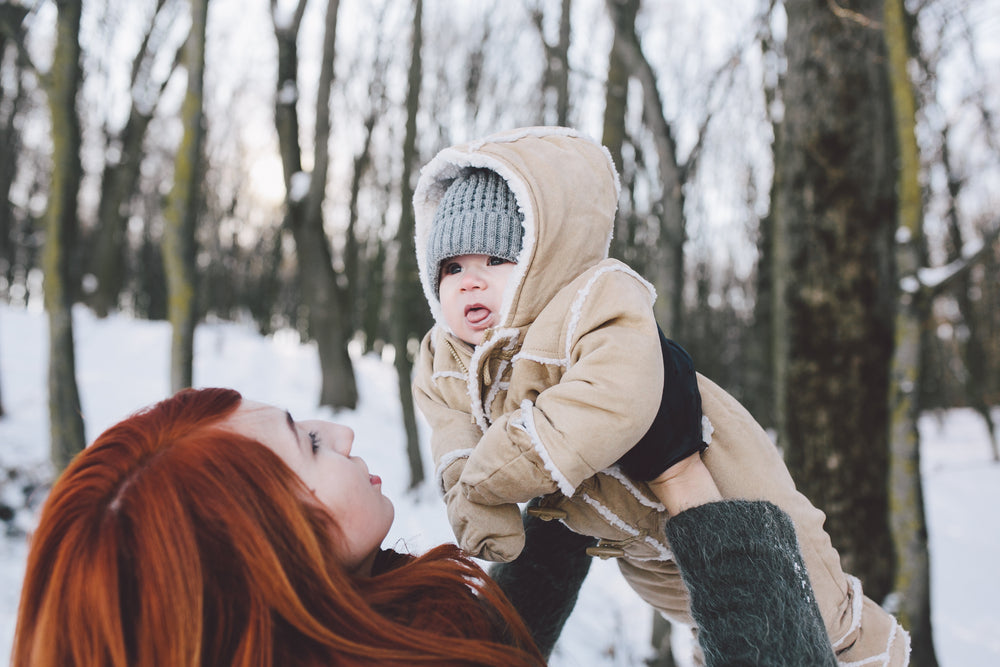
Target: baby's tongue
{"x":477,"y":315}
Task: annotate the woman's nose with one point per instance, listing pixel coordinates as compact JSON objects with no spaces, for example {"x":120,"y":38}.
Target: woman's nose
{"x":343,"y":439}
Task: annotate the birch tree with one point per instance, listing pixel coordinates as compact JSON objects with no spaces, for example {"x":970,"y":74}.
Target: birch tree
{"x":62,"y":84}
{"x":183,"y":203}
{"x":909,"y":525}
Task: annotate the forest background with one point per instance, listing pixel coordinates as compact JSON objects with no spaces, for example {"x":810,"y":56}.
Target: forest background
{"x":811,"y":185}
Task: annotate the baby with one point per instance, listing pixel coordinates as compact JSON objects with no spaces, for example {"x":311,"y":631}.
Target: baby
{"x":545,"y":368}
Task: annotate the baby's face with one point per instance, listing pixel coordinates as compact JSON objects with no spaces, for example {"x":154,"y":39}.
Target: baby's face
{"x":471,"y":291}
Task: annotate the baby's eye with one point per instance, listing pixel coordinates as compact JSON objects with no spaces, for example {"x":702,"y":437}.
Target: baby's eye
{"x":496,"y":261}
{"x":450,"y":268}
{"x":314,"y":441}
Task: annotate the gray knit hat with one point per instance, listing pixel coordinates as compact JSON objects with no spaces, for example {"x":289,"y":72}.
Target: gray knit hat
{"x":478,"y":215}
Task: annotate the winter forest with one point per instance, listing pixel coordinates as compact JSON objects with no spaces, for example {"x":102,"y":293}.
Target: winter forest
{"x":812,"y":186}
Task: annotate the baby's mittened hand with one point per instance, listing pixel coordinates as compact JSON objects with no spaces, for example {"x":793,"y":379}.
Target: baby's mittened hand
{"x":490,"y":532}
{"x":676,"y":432}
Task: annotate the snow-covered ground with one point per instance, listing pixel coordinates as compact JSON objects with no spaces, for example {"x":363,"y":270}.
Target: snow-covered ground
{"x":122,"y":366}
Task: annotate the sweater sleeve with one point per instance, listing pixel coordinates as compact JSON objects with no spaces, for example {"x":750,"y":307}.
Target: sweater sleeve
{"x":750,"y":592}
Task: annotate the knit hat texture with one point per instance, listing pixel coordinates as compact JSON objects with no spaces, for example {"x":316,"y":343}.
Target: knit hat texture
{"x":478,"y":215}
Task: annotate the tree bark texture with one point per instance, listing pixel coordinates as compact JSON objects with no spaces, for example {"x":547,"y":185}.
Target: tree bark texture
{"x":329,"y":325}
{"x":556,"y":73}
{"x":181,"y":212}
{"x":63,"y":82}
{"x":667,"y":272}
{"x":835,"y":209}
{"x":909,"y":524}
{"x":119,"y":182}
{"x":409,"y":319}
{"x":614,"y":133}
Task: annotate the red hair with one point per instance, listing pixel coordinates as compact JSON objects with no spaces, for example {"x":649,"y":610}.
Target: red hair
{"x":172,"y":541}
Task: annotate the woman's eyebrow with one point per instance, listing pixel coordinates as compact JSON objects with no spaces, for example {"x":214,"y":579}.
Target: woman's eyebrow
{"x":291,"y":425}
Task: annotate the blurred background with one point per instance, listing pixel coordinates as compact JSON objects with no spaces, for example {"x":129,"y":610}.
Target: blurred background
{"x":812,"y":187}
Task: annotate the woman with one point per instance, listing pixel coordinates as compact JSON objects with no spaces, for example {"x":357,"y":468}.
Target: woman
{"x":212,"y":530}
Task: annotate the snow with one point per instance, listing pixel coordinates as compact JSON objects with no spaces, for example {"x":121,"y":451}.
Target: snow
{"x":300,"y":186}
{"x":122,"y":365}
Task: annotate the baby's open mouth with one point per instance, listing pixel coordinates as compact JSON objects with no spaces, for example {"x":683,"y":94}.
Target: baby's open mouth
{"x":476,"y":313}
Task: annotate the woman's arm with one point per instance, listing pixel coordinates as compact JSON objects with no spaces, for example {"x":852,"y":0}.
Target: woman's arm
{"x":750,"y":592}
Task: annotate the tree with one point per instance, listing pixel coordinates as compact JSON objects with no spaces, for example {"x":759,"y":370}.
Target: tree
{"x":305,"y":194}
{"x":11,"y":101}
{"x":183,"y":203}
{"x":121,"y":172}
{"x":909,"y":525}
{"x":834,"y":214}
{"x":62,"y":83}
{"x":556,"y":74}
{"x":666,"y":266}
{"x":409,"y":318}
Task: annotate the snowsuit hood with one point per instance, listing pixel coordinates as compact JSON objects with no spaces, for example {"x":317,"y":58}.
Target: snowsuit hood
{"x":566,"y":186}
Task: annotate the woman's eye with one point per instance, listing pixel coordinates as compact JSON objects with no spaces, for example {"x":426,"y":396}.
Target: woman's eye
{"x":314,"y":441}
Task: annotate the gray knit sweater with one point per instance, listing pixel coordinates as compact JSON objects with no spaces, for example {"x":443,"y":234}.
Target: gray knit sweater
{"x":750,"y":593}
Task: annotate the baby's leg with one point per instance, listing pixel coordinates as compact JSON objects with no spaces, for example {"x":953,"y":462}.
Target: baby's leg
{"x":746,"y":464}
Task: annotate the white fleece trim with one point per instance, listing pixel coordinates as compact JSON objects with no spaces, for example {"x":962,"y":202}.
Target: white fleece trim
{"x":527,"y":424}
{"x":857,"y":601}
{"x":619,"y":523}
{"x":544,"y":361}
{"x":511,"y":337}
{"x":446,"y":166}
{"x":707,"y":429}
{"x":495,"y":389}
{"x":610,"y":516}
{"x":472,"y":380}
{"x":447,"y":460}
{"x":885,"y":656}
{"x":665,"y":553}
{"x":454,"y":375}
{"x":615,"y":471}
{"x":576,"y":310}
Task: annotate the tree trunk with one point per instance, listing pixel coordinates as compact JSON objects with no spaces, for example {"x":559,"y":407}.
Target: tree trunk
{"x":668,"y":270}
{"x":909,"y":524}
{"x":835,"y":206}
{"x":181,"y":212}
{"x":304,"y":210}
{"x":65,"y":417}
{"x":408,"y":317}
{"x":560,"y":66}
{"x":120,"y":179}
{"x":107,"y":258}
{"x":615,"y":107}
{"x":356,"y":269}
{"x":556,"y":73}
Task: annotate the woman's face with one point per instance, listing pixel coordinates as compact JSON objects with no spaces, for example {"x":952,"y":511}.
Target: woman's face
{"x":319,"y":452}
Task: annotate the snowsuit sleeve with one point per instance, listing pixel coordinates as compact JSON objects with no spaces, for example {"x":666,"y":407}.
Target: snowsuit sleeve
{"x":750,"y":593}
{"x":556,"y":436}
{"x":496,"y":532}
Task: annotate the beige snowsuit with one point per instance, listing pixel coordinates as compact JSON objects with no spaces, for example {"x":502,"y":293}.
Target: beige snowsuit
{"x":548,"y":402}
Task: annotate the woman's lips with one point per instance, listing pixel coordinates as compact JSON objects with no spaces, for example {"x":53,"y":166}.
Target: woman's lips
{"x":375,"y":480}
